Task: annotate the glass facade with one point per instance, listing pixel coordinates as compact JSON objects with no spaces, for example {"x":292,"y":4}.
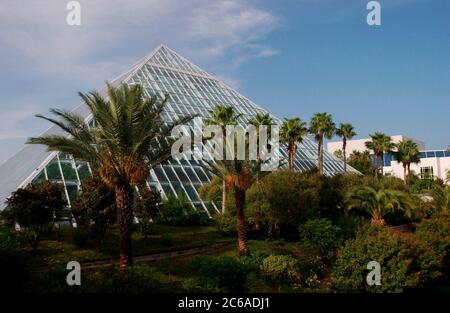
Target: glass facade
{"x":192,"y":91}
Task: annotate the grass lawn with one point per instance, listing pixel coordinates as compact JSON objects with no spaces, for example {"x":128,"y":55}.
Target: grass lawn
{"x":163,"y":238}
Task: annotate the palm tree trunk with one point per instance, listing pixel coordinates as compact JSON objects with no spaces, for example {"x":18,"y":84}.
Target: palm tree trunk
{"x":405,"y":177}
{"x":224,"y":183}
{"x":376,"y":164}
{"x":124,"y":203}
{"x":382,"y":163}
{"x":409,"y":176}
{"x":290,"y":148}
{"x":320,"y":155}
{"x":224,"y":196}
{"x":344,"y":147}
{"x":239,"y":199}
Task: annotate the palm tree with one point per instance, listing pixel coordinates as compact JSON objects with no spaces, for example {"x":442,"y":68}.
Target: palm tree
{"x":261,"y":120}
{"x":386,"y":147}
{"x":222,"y":116}
{"x":407,"y":153}
{"x":321,"y":126}
{"x":128,"y":139}
{"x":239,"y":175}
{"x":346,"y":131}
{"x":441,"y":198}
{"x":292,"y":132}
{"x":377,"y":202}
{"x":375,"y":144}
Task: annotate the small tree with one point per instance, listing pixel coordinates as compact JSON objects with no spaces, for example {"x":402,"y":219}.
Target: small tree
{"x":35,"y":206}
{"x":94,"y":207}
{"x":146,"y":208}
{"x":361,"y":161}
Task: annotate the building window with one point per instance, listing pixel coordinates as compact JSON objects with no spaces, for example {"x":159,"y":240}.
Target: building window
{"x":426,"y":172}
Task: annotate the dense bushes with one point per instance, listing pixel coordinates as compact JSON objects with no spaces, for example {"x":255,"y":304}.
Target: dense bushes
{"x":177,"y":211}
{"x":35,"y":206}
{"x":223,"y":273}
{"x":280,"y":268}
{"x":406,"y":262}
{"x":283,"y":200}
{"x":94,"y":208}
{"x":320,"y":236}
{"x":436,"y":232}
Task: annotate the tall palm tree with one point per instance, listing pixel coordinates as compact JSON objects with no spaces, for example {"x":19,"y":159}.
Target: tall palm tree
{"x":377,"y":202}
{"x":292,"y":132}
{"x":321,"y":126}
{"x":129,"y":137}
{"x":258,"y":121}
{"x":261,"y":120}
{"x":222,"y":116}
{"x":239,"y":175}
{"x":387,"y":146}
{"x":376,"y":145}
{"x":346,"y":131}
{"x":407,"y":153}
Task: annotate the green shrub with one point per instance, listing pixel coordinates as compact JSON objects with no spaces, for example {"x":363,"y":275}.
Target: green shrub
{"x":80,"y":237}
{"x":222,"y":273}
{"x":253,"y":261}
{"x":406,"y":262}
{"x":320,"y":236}
{"x":226,"y":223}
{"x":284,"y":199}
{"x":435,"y":231}
{"x":280,"y":268}
{"x":311,"y":270}
{"x":177,"y":211}
{"x":349,"y":224}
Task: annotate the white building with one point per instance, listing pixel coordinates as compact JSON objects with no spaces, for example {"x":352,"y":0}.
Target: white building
{"x":433,"y":163}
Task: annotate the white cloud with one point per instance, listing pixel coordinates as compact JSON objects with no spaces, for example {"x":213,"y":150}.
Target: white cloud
{"x":206,"y":28}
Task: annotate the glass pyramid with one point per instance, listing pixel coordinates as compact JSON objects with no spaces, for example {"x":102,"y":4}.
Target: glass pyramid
{"x":192,"y":91}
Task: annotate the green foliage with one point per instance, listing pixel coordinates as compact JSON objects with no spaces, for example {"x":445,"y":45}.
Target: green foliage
{"x":280,"y":268}
{"x":253,"y":261}
{"x":177,"y":211}
{"x":136,"y":279}
{"x":311,"y":270}
{"x":320,"y":236}
{"x":223,"y":273}
{"x":435,"y":231}
{"x":283,"y":200}
{"x":361,"y":161}
{"x":146,"y":208}
{"x":94,"y":208}
{"x":35,"y":206}
{"x":212,"y":192}
{"x":226,"y":223}
{"x":349,"y":224}
{"x":406,"y":262}
{"x":378,"y":201}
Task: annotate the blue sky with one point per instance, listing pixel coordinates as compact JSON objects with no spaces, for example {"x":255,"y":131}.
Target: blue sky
{"x":294,"y":58}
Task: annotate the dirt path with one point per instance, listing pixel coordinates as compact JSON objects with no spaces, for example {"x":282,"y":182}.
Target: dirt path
{"x":157,"y":256}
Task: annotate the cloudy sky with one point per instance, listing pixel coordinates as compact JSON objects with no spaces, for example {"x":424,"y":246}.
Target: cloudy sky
{"x":293,"y":57}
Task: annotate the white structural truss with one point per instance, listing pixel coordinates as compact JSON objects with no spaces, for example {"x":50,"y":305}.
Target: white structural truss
{"x":192,"y":91}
